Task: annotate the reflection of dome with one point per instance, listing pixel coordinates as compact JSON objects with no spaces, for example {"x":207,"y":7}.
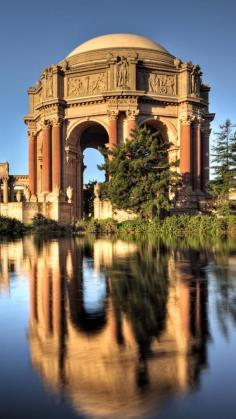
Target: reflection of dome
{"x":117,"y":41}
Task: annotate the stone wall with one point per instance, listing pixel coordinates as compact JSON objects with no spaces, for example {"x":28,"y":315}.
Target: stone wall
{"x":103,"y":210}
{"x":25,"y":211}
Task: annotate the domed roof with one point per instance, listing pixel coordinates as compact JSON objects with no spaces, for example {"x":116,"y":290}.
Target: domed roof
{"x":117,"y":41}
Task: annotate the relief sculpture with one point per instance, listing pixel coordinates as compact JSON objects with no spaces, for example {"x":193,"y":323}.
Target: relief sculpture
{"x":87,"y":85}
{"x":162,"y":84}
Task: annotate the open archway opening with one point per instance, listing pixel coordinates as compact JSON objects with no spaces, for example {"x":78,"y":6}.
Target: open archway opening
{"x":90,"y":139}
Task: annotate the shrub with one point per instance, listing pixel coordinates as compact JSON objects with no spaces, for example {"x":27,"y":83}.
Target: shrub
{"x":11,"y":227}
{"x":43,"y":225}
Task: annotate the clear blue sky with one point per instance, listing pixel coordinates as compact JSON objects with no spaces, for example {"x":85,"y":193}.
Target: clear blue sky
{"x":35,"y":34}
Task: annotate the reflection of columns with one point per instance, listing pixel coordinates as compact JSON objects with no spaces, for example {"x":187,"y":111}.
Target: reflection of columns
{"x":46,"y":300}
{"x":185,"y":152}
{"x":131,"y":121}
{"x":47,"y":158}
{"x":56,"y":156}
{"x":33,"y":295}
{"x":5,"y":190}
{"x":32,"y":162}
{"x":113,"y":141}
{"x":56,"y":280}
{"x":197,"y":156}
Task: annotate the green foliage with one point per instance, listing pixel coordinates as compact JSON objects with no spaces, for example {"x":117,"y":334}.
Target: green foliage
{"x":11,"y":227}
{"x":203,"y":226}
{"x":107,"y":226}
{"x":224,"y":165}
{"x":88,"y":199}
{"x":141,"y":177}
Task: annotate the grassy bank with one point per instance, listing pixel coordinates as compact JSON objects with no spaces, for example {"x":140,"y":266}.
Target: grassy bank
{"x":202,"y":226}
{"x":174,"y":226}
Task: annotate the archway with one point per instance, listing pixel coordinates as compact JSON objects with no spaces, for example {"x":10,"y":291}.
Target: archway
{"x":89,"y":135}
{"x":156,"y":126}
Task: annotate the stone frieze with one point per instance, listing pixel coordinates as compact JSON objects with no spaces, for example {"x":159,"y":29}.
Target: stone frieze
{"x":87,"y":85}
{"x":157,"y":83}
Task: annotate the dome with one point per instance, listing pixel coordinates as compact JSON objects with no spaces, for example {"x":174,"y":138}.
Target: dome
{"x":117,"y":41}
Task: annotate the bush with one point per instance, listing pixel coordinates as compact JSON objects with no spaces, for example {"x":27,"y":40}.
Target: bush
{"x":43,"y":225}
{"x":11,"y":227}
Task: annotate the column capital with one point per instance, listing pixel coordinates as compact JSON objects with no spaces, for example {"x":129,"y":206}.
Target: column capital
{"x":132,"y":114}
{"x":32,"y":134}
{"x":187,"y":120}
{"x":57,"y":122}
{"x":46,"y":124}
{"x":112,"y":114}
{"x":5,"y":179}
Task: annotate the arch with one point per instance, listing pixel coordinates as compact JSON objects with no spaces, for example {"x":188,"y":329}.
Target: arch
{"x":156,"y":125}
{"x":171,"y":130}
{"x":85,"y":134}
{"x":79,"y":125}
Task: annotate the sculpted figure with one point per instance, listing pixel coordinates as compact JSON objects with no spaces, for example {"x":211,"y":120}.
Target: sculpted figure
{"x":195,"y":79}
{"x":122,"y":72}
{"x":49,"y":82}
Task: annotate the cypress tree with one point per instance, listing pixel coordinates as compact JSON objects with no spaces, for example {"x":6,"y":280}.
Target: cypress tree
{"x":141,"y":176}
{"x":224,"y":165}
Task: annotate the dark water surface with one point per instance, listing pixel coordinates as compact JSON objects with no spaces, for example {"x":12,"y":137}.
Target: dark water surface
{"x":99,"y":328}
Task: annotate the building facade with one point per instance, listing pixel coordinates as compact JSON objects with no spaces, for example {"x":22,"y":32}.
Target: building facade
{"x":94,"y":98}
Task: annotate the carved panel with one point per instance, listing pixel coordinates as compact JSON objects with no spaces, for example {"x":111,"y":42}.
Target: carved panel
{"x":87,"y":85}
{"x":157,"y":83}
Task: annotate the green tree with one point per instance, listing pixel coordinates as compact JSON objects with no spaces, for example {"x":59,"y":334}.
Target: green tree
{"x":224,"y":166}
{"x":141,"y":177}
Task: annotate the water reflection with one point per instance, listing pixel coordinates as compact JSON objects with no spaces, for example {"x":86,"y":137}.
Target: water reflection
{"x":118,"y":327}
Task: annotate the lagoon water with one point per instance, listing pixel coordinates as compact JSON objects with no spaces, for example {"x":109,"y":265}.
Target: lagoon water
{"x":105,"y":328}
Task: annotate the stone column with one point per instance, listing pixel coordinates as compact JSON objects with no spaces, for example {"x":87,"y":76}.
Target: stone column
{"x":47,"y":181}
{"x":130,"y":122}
{"x":56,"y":156}
{"x":185,"y":152}
{"x":80,"y":173}
{"x":205,"y":158}
{"x":32,"y":141}
{"x":197,"y":156}
{"x":113,"y":140}
{"x":5,"y":190}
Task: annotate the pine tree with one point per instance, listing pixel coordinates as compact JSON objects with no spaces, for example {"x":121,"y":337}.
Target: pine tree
{"x":224,"y":165}
{"x":141,"y":177}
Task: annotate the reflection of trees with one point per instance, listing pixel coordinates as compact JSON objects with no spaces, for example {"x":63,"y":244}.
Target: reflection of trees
{"x":139,"y":290}
{"x":224,"y":271}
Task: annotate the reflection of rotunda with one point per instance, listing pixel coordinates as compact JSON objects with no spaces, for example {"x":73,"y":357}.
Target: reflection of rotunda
{"x":98,"y":361}
{"x":95,"y":97}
